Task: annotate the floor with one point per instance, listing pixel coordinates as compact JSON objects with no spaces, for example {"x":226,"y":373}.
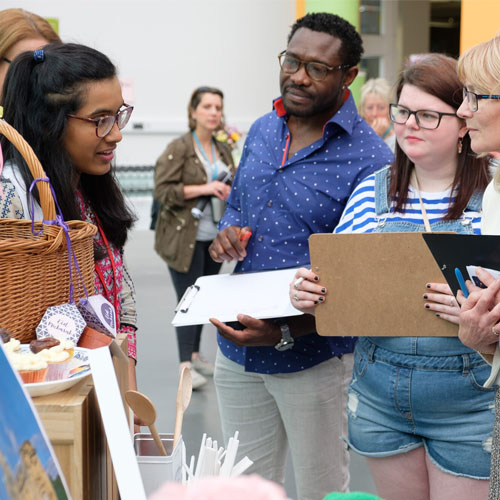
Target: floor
{"x":157,"y":369}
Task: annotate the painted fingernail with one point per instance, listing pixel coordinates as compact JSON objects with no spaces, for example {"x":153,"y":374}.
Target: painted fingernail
{"x":425,"y":296}
{"x":316,"y":302}
{"x":428,"y":285}
{"x":321,"y":299}
{"x":316,"y":278}
{"x":427,"y":306}
{"x":438,"y":315}
{"x":323,"y":290}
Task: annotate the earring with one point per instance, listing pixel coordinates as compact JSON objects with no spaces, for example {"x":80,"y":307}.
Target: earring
{"x":460,"y":145}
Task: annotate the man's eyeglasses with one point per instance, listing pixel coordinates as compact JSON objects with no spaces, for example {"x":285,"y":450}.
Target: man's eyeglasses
{"x":104,"y":124}
{"x":315,"y":70}
{"x":425,"y":118}
{"x":472,"y":98}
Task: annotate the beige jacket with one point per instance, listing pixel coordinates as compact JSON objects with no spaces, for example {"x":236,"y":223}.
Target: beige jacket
{"x":176,"y":228}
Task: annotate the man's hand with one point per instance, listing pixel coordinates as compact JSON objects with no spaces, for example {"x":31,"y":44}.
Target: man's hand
{"x":230,"y":244}
{"x":258,"y":332}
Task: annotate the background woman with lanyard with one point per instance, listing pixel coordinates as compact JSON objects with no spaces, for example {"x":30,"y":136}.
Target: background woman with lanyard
{"x":191,"y":169}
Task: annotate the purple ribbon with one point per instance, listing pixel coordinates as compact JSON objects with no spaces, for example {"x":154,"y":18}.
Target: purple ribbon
{"x":58,"y":221}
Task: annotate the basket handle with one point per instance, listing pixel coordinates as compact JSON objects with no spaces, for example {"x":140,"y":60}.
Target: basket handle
{"x":36,"y":169}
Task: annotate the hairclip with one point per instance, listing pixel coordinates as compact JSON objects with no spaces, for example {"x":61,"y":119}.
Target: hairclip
{"x":38,"y":55}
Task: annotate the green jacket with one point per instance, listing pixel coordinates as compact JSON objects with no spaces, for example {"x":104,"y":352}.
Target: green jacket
{"x":176,"y":229}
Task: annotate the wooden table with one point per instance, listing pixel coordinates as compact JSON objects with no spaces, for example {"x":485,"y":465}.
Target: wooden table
{"x":73,"y":424}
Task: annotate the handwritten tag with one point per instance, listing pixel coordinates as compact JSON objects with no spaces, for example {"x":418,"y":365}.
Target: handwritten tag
{"x":99,"y":314}
{"x":63,"y":322}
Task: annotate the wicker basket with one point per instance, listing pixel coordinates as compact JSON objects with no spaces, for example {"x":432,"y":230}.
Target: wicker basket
{"x":34,"y":270}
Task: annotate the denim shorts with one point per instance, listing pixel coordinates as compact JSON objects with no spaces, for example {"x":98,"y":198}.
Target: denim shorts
{"x":398,"y":402}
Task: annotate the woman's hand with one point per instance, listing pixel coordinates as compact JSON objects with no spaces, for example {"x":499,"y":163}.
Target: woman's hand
{"x":480,"y":314}
{"x":305,"y":292}
{"x":380,"y":125}
{"x":218,"y":189}
{"x":441,"y":300}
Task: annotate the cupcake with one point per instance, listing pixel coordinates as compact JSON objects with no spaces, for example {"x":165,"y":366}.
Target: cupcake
{"x":12,"y":345}
{"x":31,"y":367}
{"x":58,"y":359}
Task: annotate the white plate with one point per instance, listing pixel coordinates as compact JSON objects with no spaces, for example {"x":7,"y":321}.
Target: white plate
{"x":79,"y":363}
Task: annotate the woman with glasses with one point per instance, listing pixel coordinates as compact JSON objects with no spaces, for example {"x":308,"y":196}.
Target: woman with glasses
{"x":66,"y":101}
{"x":479,"y":71}
{"x":415,"y":405}
{"x":192,"y":180}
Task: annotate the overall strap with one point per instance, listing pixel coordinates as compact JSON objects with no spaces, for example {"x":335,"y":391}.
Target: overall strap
{"x":382,"y":183}
{"x":475,"y":202}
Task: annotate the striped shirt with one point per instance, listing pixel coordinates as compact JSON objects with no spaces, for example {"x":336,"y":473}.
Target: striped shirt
{"x":360,"y":215}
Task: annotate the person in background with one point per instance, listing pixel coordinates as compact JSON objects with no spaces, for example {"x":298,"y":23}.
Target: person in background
{"x":66,"y":101}
{"x":374,"y":108}
{"x":416,"y":407}
{"x":299,"y":165}
{"x":190,"y":170}
{"x":479,"y":71}
{"x":21,"y":30}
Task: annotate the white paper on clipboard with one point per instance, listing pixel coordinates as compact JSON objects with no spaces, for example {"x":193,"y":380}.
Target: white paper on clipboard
{"x":224,"y":296}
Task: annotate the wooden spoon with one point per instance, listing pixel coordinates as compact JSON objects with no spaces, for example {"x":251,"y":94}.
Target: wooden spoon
{"x":183,"y":398}
{"x":144,"y":408}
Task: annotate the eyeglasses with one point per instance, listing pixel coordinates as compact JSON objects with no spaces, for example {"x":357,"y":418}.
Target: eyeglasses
{"x":315,"y":70}
{"x":6,"y":59}
{"x":104,"y":124}
{"x":472,"y":98}
{"x":425,"y":118}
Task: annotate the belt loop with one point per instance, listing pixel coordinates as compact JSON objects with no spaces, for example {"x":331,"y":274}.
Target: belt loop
{"x":466,"y":366}
{"x":371,"y":353}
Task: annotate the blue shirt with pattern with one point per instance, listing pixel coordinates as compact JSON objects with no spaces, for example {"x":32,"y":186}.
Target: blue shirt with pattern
{"x":285,"y":200}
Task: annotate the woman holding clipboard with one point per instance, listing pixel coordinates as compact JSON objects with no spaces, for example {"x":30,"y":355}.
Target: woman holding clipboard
{"x":416,"y":408}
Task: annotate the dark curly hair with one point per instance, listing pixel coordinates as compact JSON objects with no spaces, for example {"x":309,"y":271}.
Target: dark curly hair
{"x":352,"y":45}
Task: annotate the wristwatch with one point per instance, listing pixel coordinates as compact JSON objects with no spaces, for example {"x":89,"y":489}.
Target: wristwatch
{"x":286,"y":341}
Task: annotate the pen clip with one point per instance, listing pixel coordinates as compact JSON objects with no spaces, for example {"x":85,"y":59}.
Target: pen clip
{"x":187,"y":299}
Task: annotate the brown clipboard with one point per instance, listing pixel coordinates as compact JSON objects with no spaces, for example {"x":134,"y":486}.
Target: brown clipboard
{"x":375,"y":285}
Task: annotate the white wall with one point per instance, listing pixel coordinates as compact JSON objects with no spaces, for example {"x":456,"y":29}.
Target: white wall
{"x":170,"y":47}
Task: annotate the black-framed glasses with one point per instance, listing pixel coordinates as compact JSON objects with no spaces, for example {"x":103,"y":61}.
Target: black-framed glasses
{"x":425,"y":118}
{"x":315,"y":70}
{"x":472,"y":98}
{"x":6,"y":59}
{"x":104,"y":124}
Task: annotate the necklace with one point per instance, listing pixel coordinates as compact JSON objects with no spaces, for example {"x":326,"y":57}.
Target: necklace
{"x":213,"y":166}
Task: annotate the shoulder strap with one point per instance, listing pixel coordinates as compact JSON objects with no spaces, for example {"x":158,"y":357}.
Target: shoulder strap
{"x":475,"y":202}
{"x":382,"y":183}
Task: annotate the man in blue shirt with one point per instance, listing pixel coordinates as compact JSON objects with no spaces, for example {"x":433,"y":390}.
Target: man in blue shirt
{"x":278,"y":382}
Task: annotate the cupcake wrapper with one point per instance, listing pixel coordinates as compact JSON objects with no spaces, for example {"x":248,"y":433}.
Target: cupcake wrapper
{"x":57,"y":371}
{"x":33,"y":376}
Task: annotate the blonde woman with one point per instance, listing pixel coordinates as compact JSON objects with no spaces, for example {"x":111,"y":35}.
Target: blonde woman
{"x":374,"y":108}
{"x":479,"y":71}
{"x":21,"y":30}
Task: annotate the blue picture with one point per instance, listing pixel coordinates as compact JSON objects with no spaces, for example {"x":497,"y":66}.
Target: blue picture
{"x":28,"y":465}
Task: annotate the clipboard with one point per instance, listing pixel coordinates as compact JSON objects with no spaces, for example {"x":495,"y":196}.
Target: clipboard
{"x":262,"y":295}
{"x":461,"y":250}
{"x":375,"y":285}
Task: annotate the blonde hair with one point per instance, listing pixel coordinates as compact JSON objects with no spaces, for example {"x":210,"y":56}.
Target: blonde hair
{"x":377,"y":86}
{"x":19,"y":24}
{"x":479,"y":67}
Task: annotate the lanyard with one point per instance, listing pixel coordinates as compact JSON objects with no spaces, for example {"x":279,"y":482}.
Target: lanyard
{"x":101,"y":275}
{"x":213,"y":165}
{"x":422,"y":208}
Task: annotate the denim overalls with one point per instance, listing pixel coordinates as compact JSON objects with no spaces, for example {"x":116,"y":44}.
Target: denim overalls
{"x":412,"y":391}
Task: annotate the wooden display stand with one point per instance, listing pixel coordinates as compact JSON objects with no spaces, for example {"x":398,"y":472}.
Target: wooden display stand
{"x":73,"y":424}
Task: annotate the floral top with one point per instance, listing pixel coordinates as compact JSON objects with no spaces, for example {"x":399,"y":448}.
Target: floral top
{"x":121,"y":295}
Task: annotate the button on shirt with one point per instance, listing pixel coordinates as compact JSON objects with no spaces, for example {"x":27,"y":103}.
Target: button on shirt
{"x":285,"y":200}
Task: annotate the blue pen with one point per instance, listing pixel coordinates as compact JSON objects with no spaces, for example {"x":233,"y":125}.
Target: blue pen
{"x":461,"y":282}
